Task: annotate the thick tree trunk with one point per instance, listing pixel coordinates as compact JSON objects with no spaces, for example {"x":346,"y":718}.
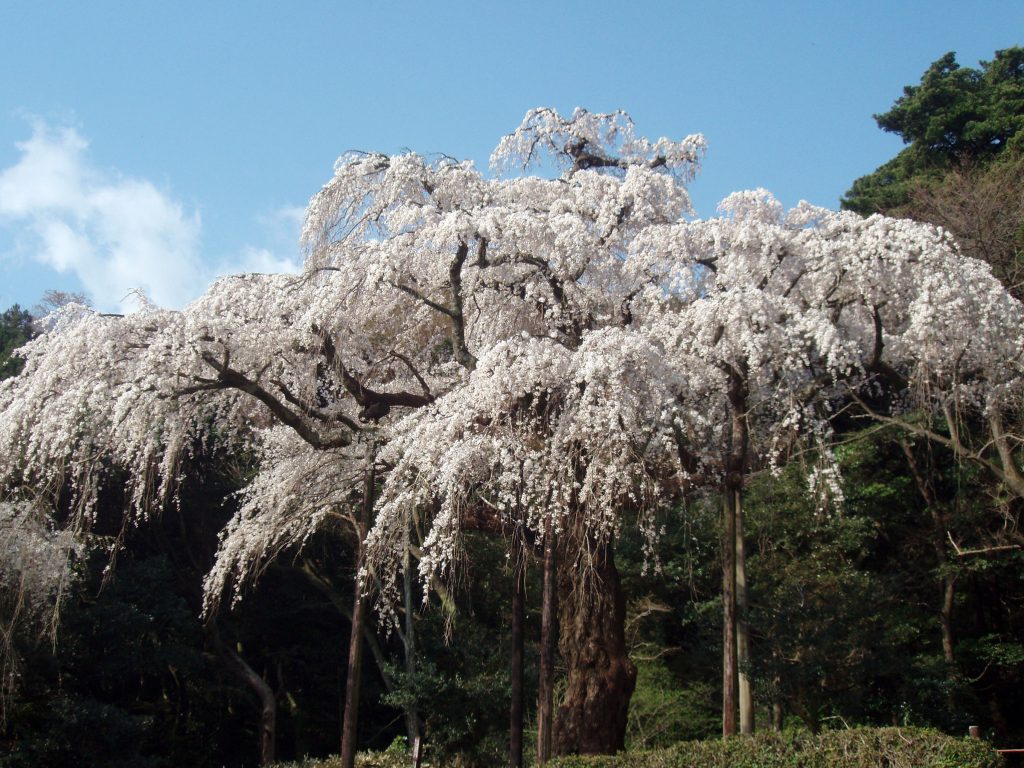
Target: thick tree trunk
{"x":518,"y":617}
{"x":778,"y":712}
{"x":548,"y":638}
{"x":350,"y":717}
{"x":592,"y":716}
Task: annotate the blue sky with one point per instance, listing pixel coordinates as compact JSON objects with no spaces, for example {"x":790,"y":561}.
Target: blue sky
{"x":156,"y":145}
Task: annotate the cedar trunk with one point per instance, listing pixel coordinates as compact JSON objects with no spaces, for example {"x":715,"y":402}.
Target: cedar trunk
{"x":600,"y":677}
{"x":413,"y":726}
{"x":350,"y":717}
{"x":729,"y":660}
{"x":940,"y":525}
{"x":733,"y":564}
{"x":746,"y":690}
{"x":548,"y":639}
{"x":516,"y":713}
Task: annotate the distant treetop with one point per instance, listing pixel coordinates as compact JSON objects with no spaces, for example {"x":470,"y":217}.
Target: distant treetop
{"x":956,"y":115}
{"x":15,"y":329}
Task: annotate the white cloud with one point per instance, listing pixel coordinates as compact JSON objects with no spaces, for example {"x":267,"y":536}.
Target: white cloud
{"x":261,"y":260}
{"x":116,"y":234}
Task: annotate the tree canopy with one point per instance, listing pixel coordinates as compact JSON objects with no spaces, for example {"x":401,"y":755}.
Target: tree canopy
{"x":558,"y":354}
{"x":955,"y":114}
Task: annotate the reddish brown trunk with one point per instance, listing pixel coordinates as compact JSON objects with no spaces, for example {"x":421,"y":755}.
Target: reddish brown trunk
{"x":745,"y":684}
{"x":413,"y":727}
{"x":592,"y":716}
{"x":548,"y":638}
{"x":729,"y":663}
{"x":516,"y":713}
{"x":350,"y":717}
{"x":735,"y":468}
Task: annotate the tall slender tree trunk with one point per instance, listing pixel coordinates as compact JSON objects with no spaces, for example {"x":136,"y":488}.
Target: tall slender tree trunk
{"x":746,"y":693}
{"x":733,"y":570}
{"x":948,"y":594}
{"x":777,"y":712}
{"x":413,"y":726}
{"x":548,"y":638}
{"x":350,"y":718}
{"x":600,"y":677}
{"x":938,"y":540}
{"x":518,"y":617}
{"x":729,"y":650}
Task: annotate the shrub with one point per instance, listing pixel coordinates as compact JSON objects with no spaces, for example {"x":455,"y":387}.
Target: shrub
{"x":854,"y":748}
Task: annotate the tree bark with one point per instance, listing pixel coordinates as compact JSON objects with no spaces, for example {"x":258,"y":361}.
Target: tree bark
{"x":265,"y":695}
{"x":413,"y":726}
{"x":735,"y":472}
{"x":946,"y":618}
{"x":746,"y":693}
{"x":592,"y":716}
{"x":518,"y":617}
{"x":729,"y":660}
{"x":350,"y":718}
{"x":548,"y":638}
{"x":938,"y":539}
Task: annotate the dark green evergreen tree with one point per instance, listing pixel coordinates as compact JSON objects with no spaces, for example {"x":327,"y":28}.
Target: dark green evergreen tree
{"x":955,"y":115}
{"x":16,"y":327}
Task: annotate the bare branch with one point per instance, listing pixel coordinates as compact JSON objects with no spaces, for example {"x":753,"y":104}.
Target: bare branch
{"x":981,"y":550}
{"x":420,"y":297}
{"x":376,"y":404}
{"x":236,"y":380}
{"x":953,"y":443}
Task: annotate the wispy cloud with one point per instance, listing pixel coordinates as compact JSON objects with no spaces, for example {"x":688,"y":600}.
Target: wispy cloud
{"x":116,"y":234}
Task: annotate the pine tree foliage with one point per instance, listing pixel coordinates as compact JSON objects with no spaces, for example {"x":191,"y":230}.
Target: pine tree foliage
{"x":955,"y":115}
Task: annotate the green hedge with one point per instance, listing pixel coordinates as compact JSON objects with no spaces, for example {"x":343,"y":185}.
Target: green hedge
{"x":854,"y":748}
